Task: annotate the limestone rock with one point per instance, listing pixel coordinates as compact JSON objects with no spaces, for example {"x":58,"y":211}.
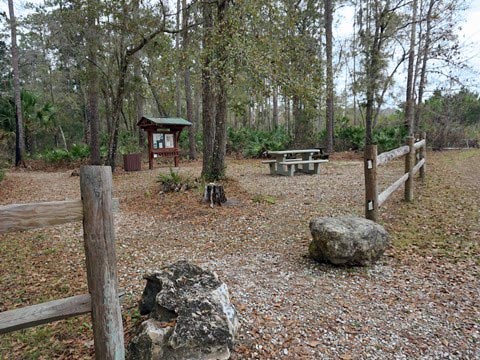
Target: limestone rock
{"x":347,"y":240}
{"x":191,"y":316}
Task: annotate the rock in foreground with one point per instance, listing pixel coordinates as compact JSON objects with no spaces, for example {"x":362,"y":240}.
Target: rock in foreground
{"x":191,"y":316}
{"x":347,"y":240}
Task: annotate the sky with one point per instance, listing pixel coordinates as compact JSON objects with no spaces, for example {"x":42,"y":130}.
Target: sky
{"x":468,"y":35}
{"x":468,"y":31}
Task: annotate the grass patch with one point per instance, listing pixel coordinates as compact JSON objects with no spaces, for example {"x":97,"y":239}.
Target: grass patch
{"x":443,"y":219}
{"x":264,"y":199}
{"x":55,"y":340}
{"x":174,"y":182}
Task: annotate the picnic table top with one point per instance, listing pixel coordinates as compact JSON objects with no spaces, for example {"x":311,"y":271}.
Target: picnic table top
{"x":297,"y":151}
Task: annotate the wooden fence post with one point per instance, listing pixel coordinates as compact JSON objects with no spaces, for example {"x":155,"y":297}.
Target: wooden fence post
{"x":409,"y":164}
{"x":370,"y":171}
{"x":422,"y":153}
{"x":98,"y":229}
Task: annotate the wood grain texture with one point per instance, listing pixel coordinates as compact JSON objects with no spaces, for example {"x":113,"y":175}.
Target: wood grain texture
{"x":419,"y":144}
{"x":423,"y":156}
{"x":47,"y":312}
{"x":385,"y":157}
{"x":18,"y":217}
{"x":409,"y":163}
{"x":389,"y":191}
{"x":44,"y":313}
{"x":371,"y":194}
{"x":418,"y":166}
{"x":99,"y":239}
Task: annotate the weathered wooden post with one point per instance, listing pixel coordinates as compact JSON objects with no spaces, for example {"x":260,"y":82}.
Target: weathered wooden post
{"x":422,"y":155}
{"x":409,"y":164}
{"x":370,"y":171}
{"x":98,"y":229}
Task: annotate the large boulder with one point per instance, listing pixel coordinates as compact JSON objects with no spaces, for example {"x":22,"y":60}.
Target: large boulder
{"x":190,"y":316}
{"x":347,"y":240}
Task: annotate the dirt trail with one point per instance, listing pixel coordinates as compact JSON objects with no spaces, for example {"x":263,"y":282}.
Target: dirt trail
{"x":420,"y":301}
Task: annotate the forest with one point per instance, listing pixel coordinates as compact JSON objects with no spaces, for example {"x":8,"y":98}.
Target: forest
{"x":339,"y":79}
{"x":77,"y":75}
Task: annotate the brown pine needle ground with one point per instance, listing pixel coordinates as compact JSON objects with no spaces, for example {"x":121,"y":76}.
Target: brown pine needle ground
{"x":420,"y":301}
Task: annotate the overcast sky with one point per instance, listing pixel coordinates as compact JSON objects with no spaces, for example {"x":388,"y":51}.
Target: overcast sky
{"x":469,"y":36}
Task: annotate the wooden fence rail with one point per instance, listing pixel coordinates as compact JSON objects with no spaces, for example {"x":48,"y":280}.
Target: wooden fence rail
{"x":373,"y":200}
{"x":103,"y":301}
{"x":18,"y":217}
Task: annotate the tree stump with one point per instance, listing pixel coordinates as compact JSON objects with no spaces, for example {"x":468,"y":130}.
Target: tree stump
{"x":214,"y":194}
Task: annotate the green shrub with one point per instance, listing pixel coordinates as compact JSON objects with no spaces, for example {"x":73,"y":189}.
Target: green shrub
{"x":76,"y":152}
{"x":184,"y":141}
{"x":175,"y":182}
{"x":349,"y":138}
{"x":253,"y":143}
{"x":57,"y":156}
{"x":389,"y":138}
{"x":128,"y":144}
{"x":79,"y":151}
{"x":2,"y":174}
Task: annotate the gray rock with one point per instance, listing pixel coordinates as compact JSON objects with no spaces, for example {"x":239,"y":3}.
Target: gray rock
{"x":191,"y":316}
{"x":347,"y":240}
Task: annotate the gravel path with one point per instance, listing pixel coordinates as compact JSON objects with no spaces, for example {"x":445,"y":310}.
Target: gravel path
{"x":405,"y":307}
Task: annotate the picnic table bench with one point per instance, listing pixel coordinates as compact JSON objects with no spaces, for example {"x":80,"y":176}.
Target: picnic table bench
{"x":287,"y":162}
{"x":293,"y":166}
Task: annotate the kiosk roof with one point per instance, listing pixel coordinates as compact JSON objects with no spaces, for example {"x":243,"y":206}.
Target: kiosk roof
{"x":166,"y":121}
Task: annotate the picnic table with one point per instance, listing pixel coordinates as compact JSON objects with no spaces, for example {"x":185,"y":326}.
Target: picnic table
{"x":287,"y":162}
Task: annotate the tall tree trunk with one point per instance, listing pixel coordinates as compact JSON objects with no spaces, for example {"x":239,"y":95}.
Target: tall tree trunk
{"x":329,"y":83}
{"x":423,"y":71}
{"x":160,"y":109}
{"x":372,"y":68}
{"x":178,"y":81}
{"x":250,"y":113}
{"x":92,"y":85}
{"x":354,"y":75}
{"x":299,"y":128}
{"x":87,"y":135}
{"x":192,"y":149}
{"x":139,"y":104}
{"x":288,"y":121}
{"x":108,"y":110}
{"x":117,"y":107}
{"x":20,"y":130}
{"x":220,"y":143}
{"x":197,"y":105}
{"x":208,"y":97}
{"x":409,"y":99}
{"x":275,"y":106}
{"x":138,"y":96}
{"x":266,"y":110}
{"x":261,"y":116}
{"x":125,"y":56}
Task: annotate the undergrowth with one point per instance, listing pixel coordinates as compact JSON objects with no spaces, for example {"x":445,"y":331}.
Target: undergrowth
{"x":174,"y":181}
{"x":443,"y":225}
{"x":264,"y":199}
{"x":76,"y":152}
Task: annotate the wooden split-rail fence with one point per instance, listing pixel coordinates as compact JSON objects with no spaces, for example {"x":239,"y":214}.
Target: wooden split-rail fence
{"x":415,"y":158}
{"x":103,"y":300}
